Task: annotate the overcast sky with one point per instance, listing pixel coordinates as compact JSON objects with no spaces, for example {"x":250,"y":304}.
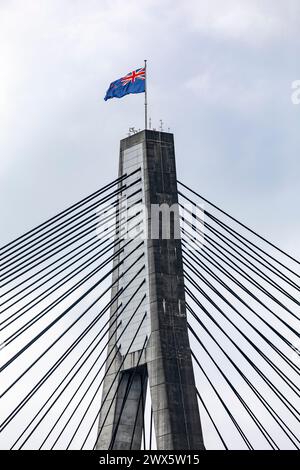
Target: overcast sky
{"x":219,"y":76}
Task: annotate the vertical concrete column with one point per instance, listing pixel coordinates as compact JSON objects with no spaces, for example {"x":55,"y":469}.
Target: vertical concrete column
{"x":167,"y":358}
{"x":129,"y":410}
{"x":117,"y":422}
{"x":170,"y":370}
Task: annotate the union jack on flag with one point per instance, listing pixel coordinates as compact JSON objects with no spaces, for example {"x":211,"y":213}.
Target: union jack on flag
{"x":133,"y":82}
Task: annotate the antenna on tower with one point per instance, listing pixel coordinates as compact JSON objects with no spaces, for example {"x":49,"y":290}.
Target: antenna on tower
{"x":161,"y":125}
{"x":132,"y":130}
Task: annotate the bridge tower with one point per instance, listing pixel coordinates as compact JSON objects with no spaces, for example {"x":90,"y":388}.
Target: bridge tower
{"x":155,"y":344}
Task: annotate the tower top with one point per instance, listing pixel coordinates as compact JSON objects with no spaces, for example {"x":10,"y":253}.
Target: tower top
{"x":149,"y":134}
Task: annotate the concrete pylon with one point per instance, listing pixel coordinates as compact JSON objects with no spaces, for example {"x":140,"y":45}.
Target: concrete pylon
{"x":166,"y":360}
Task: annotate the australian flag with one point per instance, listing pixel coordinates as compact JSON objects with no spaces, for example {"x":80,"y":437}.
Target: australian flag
{"x":133,"y":82}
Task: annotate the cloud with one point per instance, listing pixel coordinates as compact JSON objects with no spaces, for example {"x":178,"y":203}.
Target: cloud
{"x":216,"y":89}
{"x":203,"y":61}
{"x":253,"y":22}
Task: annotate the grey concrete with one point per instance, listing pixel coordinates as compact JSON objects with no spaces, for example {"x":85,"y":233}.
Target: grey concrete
{"x":167,"y":356}
{"x":128,"y":425}
{"x":120,"y":341}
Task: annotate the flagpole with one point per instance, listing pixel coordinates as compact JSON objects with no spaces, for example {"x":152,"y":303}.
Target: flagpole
{"x":146,"y":103}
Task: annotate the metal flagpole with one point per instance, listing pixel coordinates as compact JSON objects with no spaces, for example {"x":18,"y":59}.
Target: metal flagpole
{"x":146,"y":104}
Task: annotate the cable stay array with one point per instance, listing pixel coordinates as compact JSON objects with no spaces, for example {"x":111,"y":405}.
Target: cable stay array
{"x":64,"y":296}
{"x":56,"y":317}
{"x":242,"y":300}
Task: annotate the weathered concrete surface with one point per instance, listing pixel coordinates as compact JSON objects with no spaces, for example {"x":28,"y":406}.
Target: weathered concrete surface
{"x":129,"y":410}
{"x":168,"y":357}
